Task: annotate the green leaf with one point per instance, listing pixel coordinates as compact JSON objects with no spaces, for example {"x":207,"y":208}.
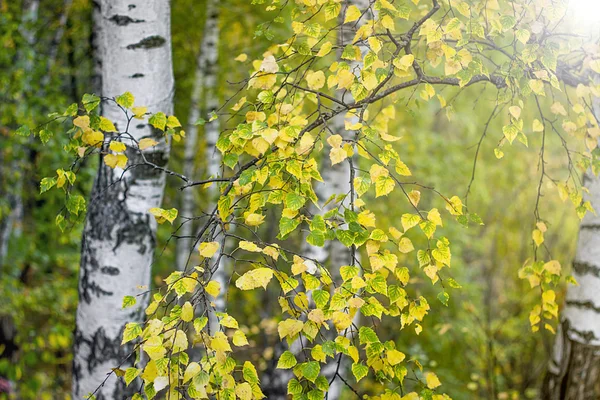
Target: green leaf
{"x":316,"y":238}
{"x":132,"y":331}
{"x":320,"y":297}
{"x":310,"y":370}
{"x":90,"y":102}
{"x":359,"y":371}
{"x":345,"y":237}
{"x":367,"y":335}
{"x":125,"y":100}
{"x":158,"y":120}
{"x":383,"y":186}
{"x":129,"y":301}
{"x":23,"y":131}
{"x":249,"y":373}
{"x":294,"y":387}
{"x":75,"y":204}
{"x":443,"y":297}
{"x":45,"y":136}
{"x":287,"y":225}
{"x":131,"y":374}
{"x":294,"y":201}
{"x":287,"y":360}
{"x":47,"y":184}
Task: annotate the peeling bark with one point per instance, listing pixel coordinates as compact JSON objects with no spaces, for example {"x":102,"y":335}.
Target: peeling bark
{"x":119,"y":235}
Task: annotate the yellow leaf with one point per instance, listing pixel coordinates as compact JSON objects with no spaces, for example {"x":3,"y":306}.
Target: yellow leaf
{"x":435,"y":217}
{"x":341,"y":320}
{"x":269,"y":64}
{"x":537,"y":87}
{"x":538,"y":126}
{"x":241,"y":58}
{"x":117,"y":147}
{"x":259,"y":277}
{"x":83,"y":122}
{"x":191,"y":371}
{"x":139,"y":112}
{"x":249,"y":246}
{"x":337,"y":155}
{"x":405,"y":245}
{"x":345,"y":78}
{"x":395,"y":357}
{"x":538,"y":237}
{"x":325,"y":49}
{"x":515,"y":111}
{"x":553,"y":267}
{"x":219,"y":343}
{"x":229,"y":322}
{"x":239,"y":339}
{"x":106,"y":125}
{"x":187,"y":312}
{"x":146,"y":142}
{"x":213,"y":288}
{"x":289,"y":327}
{"x":115,"y":160}
{"x":352,"y":14}
{"x":317,"y":316}
{"x":254,"y":219}
{"x":243,"y":391}
{"x":432,"y":380}
{"x":388,"y":23}
{"x":335,"y":141}
{"x":315,"y":80}
{"x":93,"y":138}
{"x":208,"y":249}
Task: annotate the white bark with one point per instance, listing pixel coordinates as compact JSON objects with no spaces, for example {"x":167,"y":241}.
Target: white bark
{"x":337,"y":181}
{"x":204,"y":100}
{"x":574,"y":369}
{"x":119,"y":236}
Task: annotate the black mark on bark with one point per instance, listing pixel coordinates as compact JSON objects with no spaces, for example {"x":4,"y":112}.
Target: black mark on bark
{"x":123,"y":20}
{"x":149,"y":42}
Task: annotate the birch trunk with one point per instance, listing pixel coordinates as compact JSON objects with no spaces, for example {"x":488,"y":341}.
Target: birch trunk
{"x":119,"y":236}
{"x":574,"y":370}
{"x":337,"y":181}
{"x":204,"y":101}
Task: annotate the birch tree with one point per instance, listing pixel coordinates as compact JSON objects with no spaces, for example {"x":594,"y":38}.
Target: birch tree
{"x":337,"y":178}
{"x":203,"y":102}
{"x":574,"y":369}
{"x":203,"y":109}
{"x":119,"y":235}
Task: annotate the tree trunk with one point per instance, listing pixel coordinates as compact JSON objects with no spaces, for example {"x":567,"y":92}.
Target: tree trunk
{"x":337,"y":181}
{"x":119,"y":235}
{"x":574,"y":370}
{"x":204,"y":100}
